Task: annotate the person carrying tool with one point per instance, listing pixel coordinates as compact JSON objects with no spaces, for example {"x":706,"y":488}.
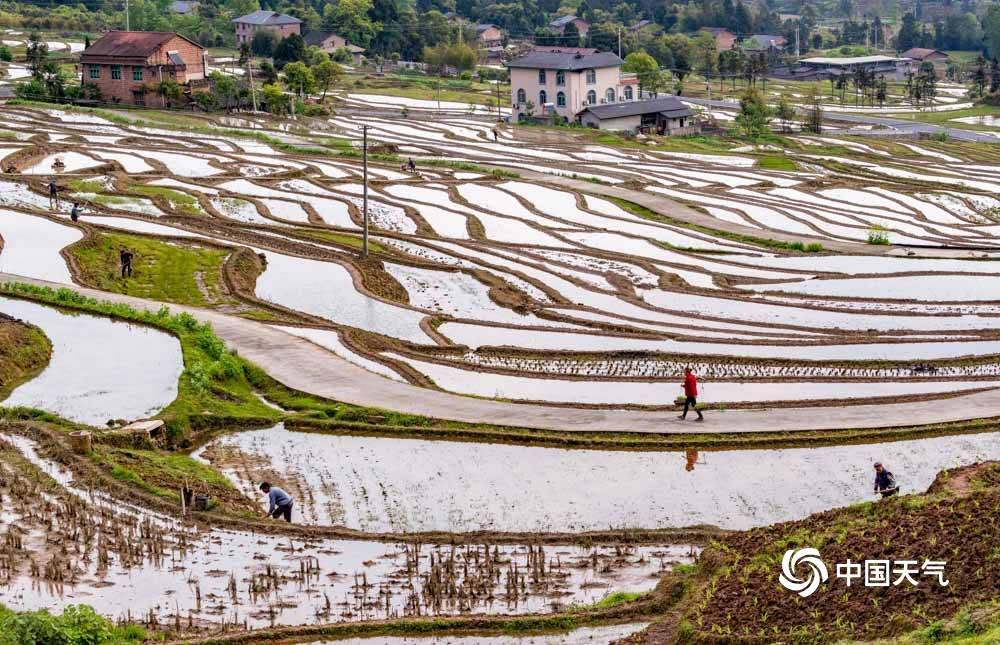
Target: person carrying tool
{"x":690,"y":386}
{"x":74,"y":213}
{"x":885,"y":482}
{"x":53,"y":195}
{"x":279,"y":502}
{"x":125,"y":257}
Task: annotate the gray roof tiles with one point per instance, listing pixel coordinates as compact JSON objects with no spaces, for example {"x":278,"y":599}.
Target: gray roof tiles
{"x":668,"y":105}
{"x":264,"y":17}
{"x":568,"y":60}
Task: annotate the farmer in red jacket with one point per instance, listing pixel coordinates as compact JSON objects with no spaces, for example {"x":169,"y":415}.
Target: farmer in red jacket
{"x":690,"y":394}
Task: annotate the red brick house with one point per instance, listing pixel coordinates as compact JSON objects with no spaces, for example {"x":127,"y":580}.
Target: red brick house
{"x":128,"y":66}
{"x":280,"y":24}
{"x":724,"y":39}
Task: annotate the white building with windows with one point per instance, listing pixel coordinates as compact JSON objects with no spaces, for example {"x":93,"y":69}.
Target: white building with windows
{"x":565,"y":80}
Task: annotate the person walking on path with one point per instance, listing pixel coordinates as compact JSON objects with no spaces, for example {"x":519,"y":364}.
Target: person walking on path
{"x":125,"y":256}
{"x":279,"y":502}
{"x":74,"y":213}
{"x":885,"y":482}
{"x":411,"y":165}
{"x":690,"y":386}
{"x":53,"y":195}
{"x":496,"y":134}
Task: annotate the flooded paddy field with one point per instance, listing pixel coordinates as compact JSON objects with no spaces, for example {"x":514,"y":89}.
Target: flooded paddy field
{"x":127,"y":562}
{"x":413,"y":485}
{"x":100,"y":369}
{"x":581,"y":276}
{"x":545,"y":280}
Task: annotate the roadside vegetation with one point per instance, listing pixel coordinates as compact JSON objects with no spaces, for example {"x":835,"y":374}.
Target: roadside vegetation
{"x":76,"y":625}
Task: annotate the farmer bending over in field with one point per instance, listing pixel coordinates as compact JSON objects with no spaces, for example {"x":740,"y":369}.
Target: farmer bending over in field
{"x":690,"y":386}
{"x":885,"y":483}
{"x":125,"y":256}
{"x":280,"y":502}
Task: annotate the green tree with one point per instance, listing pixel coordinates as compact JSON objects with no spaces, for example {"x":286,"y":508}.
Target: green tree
{"x":754,"y":116}
{"x":263,"y":43}
{"x":979,"y":74}
{"x":991,"y":29}
{"x":327,"y":73}
{"x":352,"y":20}
{"x":5,"y":54}
{"x":36,"y":55}
{"x":813,"y":121}
{"x":290,"y":50}
{"x":169,"y":90}
{"x":785,"y":113}
{"x":299,"y":78}
{"x":277,"y":101}
{"x":908,"y":36}
{"x":646,"y":69}
{"x":267,"y":73}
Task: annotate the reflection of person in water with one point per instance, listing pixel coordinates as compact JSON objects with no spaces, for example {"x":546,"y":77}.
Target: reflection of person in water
{"x":692,"y":458}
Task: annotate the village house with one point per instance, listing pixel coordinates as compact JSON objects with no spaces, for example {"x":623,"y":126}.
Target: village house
{"x":128,"y":66}
{"x":331,"y":42}
{"x":559,"y":25}
{"x":724,"y":39}
{"x":564,"y":80}
{"x":281,"y":24}
{"x":822,"y":68}
{"x":664,"y":116}
{"x":921,"y":54}
{"x":489,"y":36}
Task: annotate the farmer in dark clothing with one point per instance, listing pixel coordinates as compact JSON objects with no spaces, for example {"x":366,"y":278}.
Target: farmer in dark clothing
{"x":125,"y":256}
{"x":53,"y":194}
{"x":496,"y":134}
{"x":412,"y":166}
{"x":885,"y":483}
{"x":74,"y":213}
{"x":690,"y":386}
{"x":279,"y":502}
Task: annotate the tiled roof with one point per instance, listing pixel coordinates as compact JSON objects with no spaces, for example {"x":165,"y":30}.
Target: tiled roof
{"x":568,"y":60}
{"x":562,"y":22}
{"x":668,"y":105}
{"x":270,"y":18}
{"x":129,"y":44}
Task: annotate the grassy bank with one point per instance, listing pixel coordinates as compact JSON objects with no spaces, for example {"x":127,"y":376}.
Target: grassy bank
{"x":732,"y":594}
{"x":76,"y":625}
{"x":184,"y":273}
{"x":24,"y":352}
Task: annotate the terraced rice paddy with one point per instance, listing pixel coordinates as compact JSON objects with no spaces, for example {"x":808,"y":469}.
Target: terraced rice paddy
{"x":582,"y":276}
{"x":542,"y":281}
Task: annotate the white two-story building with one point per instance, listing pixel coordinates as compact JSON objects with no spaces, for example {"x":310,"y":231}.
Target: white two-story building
{"x":566,"y":80}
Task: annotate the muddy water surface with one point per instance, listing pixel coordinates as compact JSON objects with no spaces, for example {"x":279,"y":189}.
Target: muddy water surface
{"x":100,"y":369}
{"x":582,"y":636}
{"x":383,"y":484}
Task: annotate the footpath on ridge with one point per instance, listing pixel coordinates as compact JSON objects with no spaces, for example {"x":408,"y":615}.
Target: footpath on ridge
{"x":304,"y":366}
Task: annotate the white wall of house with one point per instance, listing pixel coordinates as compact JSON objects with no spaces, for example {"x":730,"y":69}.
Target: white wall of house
{"x":623,"y":124}
{"x":576,"y":88}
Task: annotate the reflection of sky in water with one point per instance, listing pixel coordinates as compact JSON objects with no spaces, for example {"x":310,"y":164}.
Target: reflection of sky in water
{"x":100,"y":369}
{"x":451,"y":486}
{"x":31,"y":245}
{"x":325,"y":289}
{"x":213,"y":556}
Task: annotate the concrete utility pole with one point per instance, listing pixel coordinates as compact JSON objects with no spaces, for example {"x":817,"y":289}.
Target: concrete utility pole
{"x":364,"y":198}
{"x":499,"y":115}
{"x":796,"y":41}
{"x":253,"y":90}
{"x":128,"y":25}
{"x":619,"y":42}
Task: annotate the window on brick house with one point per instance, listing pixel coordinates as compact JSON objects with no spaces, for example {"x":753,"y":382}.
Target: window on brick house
{"x":591,"y":76}
{"x":136,"y":73}
{"x":95,"y":72}
{"x":541,"y":77}
{"x":116,"y":72}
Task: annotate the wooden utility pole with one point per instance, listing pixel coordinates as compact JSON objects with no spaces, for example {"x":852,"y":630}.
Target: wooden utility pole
{"x":364,"y":198}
